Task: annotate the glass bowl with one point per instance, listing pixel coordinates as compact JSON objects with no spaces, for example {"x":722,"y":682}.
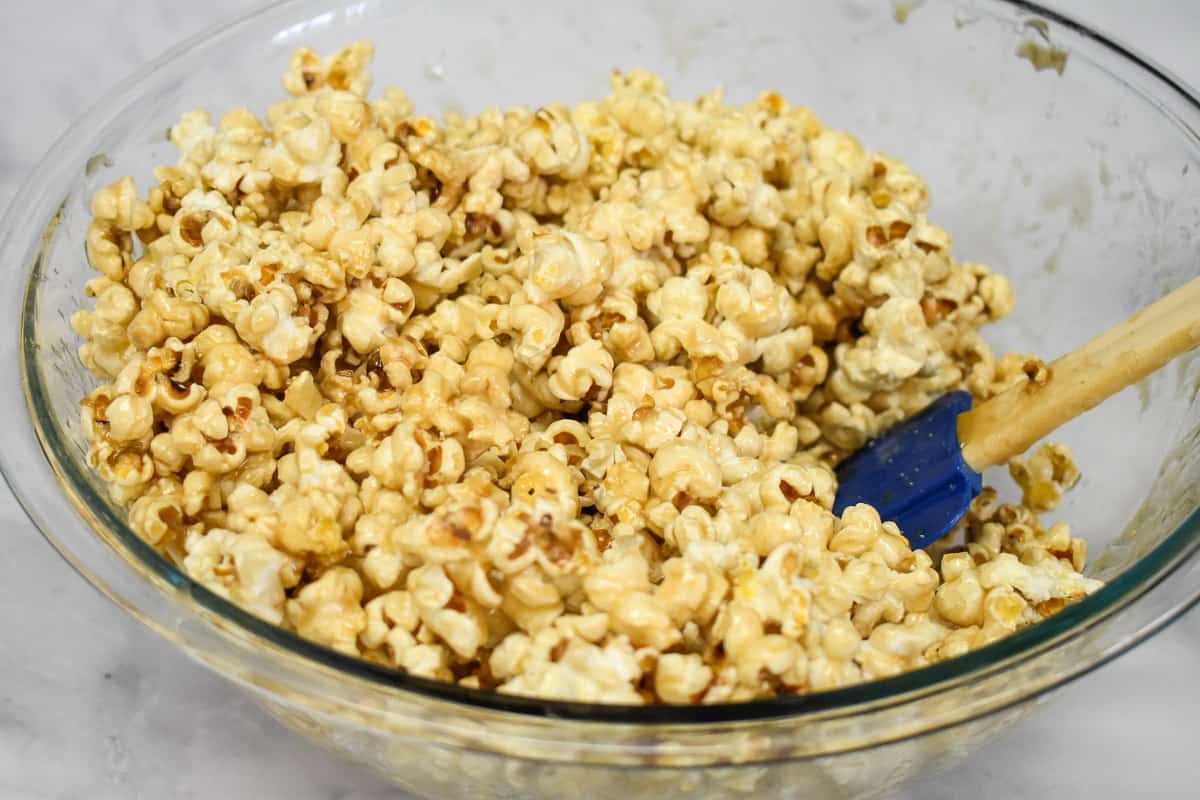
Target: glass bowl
{"x":1054,"y":155}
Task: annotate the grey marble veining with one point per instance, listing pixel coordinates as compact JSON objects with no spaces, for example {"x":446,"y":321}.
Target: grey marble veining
{"x":94,"y":706}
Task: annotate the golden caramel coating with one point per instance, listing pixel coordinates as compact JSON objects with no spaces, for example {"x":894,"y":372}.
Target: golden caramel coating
{"x":549,"y":401}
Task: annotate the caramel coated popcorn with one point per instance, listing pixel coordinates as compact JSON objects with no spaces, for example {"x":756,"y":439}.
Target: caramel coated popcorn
{"x":548,"y":402}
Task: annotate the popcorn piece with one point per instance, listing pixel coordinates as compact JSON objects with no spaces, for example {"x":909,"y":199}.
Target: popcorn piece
{"x":243,"y":568}
{"x":566,"y":266}
{"x":556,"y":666}
{"x":681,"y":678}
{"x":553,"y":145}
{"x":345,"y":70}
{"x":329,"y":610}
{"x":1045,"y":475}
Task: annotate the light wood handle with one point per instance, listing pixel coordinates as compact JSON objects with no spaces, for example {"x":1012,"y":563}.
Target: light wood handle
{"x":1006,"y":426}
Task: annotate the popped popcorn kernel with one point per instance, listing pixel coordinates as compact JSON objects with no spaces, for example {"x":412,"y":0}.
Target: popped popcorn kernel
{"x":1045,"y":475}
{"x":329,"y":610}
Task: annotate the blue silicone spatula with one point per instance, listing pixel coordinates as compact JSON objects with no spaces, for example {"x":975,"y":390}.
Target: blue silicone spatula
{"x":923,"y":472}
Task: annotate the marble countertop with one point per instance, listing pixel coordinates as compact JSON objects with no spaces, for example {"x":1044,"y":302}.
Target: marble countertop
{"x":94,"y":706}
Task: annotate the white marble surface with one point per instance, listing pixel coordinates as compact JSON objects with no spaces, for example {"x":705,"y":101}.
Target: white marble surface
{"x":94,"y":706}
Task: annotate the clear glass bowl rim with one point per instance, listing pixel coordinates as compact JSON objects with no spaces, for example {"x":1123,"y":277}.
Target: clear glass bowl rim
{"x":1155,"y":567}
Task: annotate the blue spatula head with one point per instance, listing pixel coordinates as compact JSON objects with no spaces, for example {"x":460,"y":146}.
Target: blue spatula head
{"x":914,"y":473}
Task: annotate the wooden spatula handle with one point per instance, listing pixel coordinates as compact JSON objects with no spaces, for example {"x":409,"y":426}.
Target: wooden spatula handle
{"x":1006,"y":426}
